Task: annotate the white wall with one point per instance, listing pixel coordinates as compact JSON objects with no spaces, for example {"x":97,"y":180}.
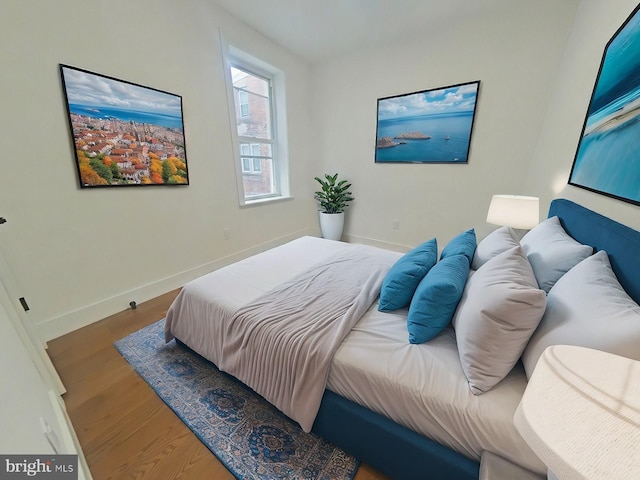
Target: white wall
{"x":514,"y":52}
{"x":596,"y":22}
{"x":81,"y":255}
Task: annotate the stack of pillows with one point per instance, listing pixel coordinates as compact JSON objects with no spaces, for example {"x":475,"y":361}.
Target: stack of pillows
{"x":509,"y":300}
{"x":430,"y":289}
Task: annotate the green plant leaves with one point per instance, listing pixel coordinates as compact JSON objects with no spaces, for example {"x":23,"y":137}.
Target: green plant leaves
{"x":335,"y":195}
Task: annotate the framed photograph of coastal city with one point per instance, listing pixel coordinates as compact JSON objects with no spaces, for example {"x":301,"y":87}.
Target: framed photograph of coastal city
{"x":430,"y":126}
{"x":124,"y":134}
{"x":607,"y":159}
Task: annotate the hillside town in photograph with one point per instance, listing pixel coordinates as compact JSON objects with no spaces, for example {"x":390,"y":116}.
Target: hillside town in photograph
{"x":118,"y":152}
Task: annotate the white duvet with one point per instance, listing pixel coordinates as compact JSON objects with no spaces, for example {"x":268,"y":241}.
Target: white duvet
{"x":421,"y":387}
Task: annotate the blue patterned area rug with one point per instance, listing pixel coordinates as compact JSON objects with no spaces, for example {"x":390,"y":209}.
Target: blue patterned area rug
{"x":253,"y":439}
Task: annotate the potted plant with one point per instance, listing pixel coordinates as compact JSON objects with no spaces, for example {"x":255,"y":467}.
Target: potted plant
{"x":334,"y":197}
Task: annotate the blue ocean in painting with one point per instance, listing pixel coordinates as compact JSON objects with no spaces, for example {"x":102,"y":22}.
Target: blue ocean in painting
{"x":608,"y":159}
{"x":450,"y":135}
{"x":152,"y":118}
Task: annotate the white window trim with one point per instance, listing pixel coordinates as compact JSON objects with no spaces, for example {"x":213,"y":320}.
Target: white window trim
{"x":232,"y":55}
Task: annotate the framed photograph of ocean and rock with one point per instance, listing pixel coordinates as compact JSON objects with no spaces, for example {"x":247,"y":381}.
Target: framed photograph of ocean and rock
{"x":124,"y":134}
{"x":430,"y":126}
{"x":607,"y":159}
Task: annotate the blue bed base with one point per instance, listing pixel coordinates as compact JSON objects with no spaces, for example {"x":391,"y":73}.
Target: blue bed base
{"x":388,"y":447}
{"x":403,"y":454}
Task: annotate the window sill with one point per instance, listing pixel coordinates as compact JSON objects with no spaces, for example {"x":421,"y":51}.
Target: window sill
{"x":263,"y":201}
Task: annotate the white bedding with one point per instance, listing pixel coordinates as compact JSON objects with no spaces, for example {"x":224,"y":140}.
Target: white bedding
{"x":424,"y":388}
{"x":421,"y":387}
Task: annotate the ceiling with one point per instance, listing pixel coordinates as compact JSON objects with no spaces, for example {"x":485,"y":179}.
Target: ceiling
{"x":321,"y":29}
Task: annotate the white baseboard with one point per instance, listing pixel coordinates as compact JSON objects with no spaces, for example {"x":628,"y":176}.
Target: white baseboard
{"x":70,"y":321}
{"x":376,"y":243}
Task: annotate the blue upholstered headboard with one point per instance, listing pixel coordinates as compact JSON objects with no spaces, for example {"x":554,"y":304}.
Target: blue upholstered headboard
{"x":621,"y":243}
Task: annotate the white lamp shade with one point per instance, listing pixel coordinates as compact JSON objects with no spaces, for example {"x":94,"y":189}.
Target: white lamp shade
{"x":517,"y":211}
{"x":580,"y":414}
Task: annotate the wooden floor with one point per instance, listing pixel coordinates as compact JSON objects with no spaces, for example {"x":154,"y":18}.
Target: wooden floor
{"x":125,"y":430}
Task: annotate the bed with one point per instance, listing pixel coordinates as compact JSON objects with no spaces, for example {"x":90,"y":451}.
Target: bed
{"x":406,"y":409}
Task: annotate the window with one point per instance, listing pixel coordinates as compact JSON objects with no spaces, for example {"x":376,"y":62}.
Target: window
{"x":256,"y":104}
{"x":251,"y":158}
{"x":243,"y":102}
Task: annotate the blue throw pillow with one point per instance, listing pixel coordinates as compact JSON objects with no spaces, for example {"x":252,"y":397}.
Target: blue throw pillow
{"x":437,"y":298}
{"x":463,"y":244}
{"x":404,"y":276}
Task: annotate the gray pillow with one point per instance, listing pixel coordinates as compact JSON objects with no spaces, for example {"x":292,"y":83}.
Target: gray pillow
{"x":495,"y":243}
{"x":500,"y":308}
{"x":552,"y":251}
{"x":587,"y":307}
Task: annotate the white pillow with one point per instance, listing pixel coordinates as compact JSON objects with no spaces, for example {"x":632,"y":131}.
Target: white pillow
{"x":495,"y":243}
{"x":500,"y":308}
{"x":589,"y":308}
{"x":552,"y":252}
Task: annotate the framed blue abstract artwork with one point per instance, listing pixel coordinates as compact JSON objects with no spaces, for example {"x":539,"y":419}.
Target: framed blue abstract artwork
{"x":607,"y":160}
{"x":430,"y":126}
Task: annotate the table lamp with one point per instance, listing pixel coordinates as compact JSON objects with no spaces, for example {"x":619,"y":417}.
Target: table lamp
{"x":580,"y":414}
{"x":516,"y":211}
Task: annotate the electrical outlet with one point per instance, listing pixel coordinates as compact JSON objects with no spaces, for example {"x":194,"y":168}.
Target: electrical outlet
{"x":395,"y":225}
{"x":227,"y":233}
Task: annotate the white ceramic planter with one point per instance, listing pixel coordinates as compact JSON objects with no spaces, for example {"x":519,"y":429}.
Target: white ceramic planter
{"x":331,"y":225}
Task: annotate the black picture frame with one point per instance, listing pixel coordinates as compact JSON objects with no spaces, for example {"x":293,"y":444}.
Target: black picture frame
{"x":123,"y":134}
{"x":429,"y":126}
{"x":607,"y":159}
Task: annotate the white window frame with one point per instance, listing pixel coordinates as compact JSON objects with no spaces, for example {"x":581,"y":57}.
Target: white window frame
{"x":234,"y":57}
